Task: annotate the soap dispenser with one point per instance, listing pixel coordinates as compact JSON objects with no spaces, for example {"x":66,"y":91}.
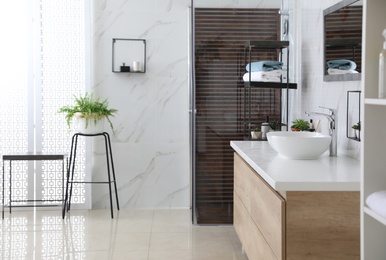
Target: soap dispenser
{"x":265,"y":129}
{"x":382,"y":70}
{"x":311,"y":126}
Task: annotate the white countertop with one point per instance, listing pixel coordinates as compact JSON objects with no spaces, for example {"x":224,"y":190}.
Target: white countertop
{"x":326,"y":173}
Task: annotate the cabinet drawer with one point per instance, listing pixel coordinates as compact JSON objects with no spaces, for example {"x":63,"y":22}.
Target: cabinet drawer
{"x":265,"y":205}
{"x":242,"y":184}
{"x":268,"y":212}
{"x":252,"y":240}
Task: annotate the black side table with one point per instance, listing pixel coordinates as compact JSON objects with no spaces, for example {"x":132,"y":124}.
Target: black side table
{"x":30,"y":157}
{"x":71,"y":168}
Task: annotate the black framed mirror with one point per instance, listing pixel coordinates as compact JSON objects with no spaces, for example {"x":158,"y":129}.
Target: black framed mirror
{"x":343,"y":41}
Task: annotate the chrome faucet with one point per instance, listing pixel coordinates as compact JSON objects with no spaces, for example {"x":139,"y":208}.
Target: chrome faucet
{"x":332,"y":119}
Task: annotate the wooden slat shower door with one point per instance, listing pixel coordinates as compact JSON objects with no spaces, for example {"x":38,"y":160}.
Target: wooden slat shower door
{"x":220,"y":35}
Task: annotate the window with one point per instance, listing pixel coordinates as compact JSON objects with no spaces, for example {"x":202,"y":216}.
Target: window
{"x":42,"y":64}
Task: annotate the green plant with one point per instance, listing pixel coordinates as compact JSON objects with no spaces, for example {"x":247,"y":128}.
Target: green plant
{"x":90,"y":108}
{"x":274,"y":124}
{"x":357,"y":126}
{"x":300,"y":124}
{"x":256,"y":129}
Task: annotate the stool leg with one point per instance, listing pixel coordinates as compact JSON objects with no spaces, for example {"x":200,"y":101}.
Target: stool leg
{"x":10,"y":186}
{"x":75,"y":137}
{"x":70,"y":163}
{"x":108,"y":175}
{"x":113,"y":170}
{"x":66,"y":186}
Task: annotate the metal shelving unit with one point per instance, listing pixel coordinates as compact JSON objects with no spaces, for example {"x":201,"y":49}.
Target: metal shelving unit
{"x":278,"y":46}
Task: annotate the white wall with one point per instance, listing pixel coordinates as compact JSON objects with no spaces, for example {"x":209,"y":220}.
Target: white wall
{"x":314,"y":91}
{"x":151,"y":144}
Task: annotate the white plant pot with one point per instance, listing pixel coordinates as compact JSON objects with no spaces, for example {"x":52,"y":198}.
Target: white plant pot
{"x":255,"y":135}
{"x":357,"y":134}
{"x":81,"y":125}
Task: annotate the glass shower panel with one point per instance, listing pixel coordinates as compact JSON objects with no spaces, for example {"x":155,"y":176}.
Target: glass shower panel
{"x":219,"y":39}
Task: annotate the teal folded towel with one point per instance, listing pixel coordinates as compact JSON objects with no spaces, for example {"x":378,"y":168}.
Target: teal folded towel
{"x":342,"y":64}
{"x":264,"y":65}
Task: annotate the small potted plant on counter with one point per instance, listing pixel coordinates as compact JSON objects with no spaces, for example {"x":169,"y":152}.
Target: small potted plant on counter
{"x":255,"y":133}
{"x":300,"y":125}
{"x":274,"y":125}
{"x":89,"y":112}
{"x":357,"y":129}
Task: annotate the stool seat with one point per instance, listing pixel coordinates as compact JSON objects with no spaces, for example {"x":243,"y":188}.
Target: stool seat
{"x":110,"y":171}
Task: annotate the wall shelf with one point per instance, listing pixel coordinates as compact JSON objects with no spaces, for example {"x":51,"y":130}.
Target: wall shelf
{"x":375,"y":101}
{"x":353,"y":115}
{"x":128,"y":55}
{"x":373,"y":170}
{"x":256,"y":51}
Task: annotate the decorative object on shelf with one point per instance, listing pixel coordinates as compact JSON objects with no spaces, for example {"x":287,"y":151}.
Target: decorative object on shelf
{"x":137,"y":66}
{"x":300,"y":125}
{"x":125,"y":68}
{"x":357,"y":129}
{"x":377,"y":201}
{"x":129,"y":50}
{"x":89,"y":112}
{"x":353,"y":122}
{"x":256,"y":133}
{"x":382,"y":70}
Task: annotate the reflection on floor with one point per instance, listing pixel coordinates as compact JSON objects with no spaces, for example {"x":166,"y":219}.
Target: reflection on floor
{"x":132,"y":234}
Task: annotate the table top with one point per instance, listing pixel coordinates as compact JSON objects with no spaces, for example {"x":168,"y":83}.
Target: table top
{"x":323,"y":174}
{"x":32,"y":156}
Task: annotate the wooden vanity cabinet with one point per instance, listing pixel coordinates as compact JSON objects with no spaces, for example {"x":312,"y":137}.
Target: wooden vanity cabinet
{"x":294,"y":224}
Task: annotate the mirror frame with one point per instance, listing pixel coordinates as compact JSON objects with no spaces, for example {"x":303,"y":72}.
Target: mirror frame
{"x":340,"y":77}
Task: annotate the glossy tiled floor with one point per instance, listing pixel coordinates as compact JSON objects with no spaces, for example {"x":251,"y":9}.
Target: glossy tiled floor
{"x":132,"y":234}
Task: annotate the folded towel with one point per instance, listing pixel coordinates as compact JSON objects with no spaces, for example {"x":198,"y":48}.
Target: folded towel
{"x":377,"y":202}
{"x":342,"y":64}
{"x":265,"y":76}
{"x":264,"y":65}
{"x":338,"y":71}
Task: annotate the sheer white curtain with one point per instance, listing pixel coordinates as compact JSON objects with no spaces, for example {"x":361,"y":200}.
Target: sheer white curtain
{"x":43,"y":63}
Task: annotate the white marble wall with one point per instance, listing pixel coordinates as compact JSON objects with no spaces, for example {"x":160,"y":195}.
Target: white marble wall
{"x":314,"y":92}
{"x":151,"y":144}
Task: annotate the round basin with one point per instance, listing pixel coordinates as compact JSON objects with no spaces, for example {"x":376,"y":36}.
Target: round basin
{"x":299,"y":145}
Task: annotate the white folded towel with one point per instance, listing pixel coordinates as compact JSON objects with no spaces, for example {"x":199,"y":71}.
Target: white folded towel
{"x":265,"y":76}
{"x":338,"y":71}
{"x":377,"y":202}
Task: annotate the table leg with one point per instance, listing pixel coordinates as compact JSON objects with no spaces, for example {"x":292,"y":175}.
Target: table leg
{"x":3,"y":193}
{"x":10,"y":186}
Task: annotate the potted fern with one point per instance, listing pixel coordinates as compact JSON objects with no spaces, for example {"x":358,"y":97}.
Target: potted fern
{"x":300,"y":125}
{"x":89,"y":112}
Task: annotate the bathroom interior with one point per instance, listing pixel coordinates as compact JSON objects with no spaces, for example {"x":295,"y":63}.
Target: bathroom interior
{"x":185,"y":119}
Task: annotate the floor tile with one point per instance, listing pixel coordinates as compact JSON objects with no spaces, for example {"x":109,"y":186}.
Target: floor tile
{"x":140,"y":234}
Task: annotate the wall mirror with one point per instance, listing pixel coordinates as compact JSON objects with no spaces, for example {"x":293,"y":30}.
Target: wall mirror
{"x":343,"y":41}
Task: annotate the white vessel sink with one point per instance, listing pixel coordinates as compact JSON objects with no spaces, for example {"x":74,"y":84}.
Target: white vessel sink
{"x":299,"y":145}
